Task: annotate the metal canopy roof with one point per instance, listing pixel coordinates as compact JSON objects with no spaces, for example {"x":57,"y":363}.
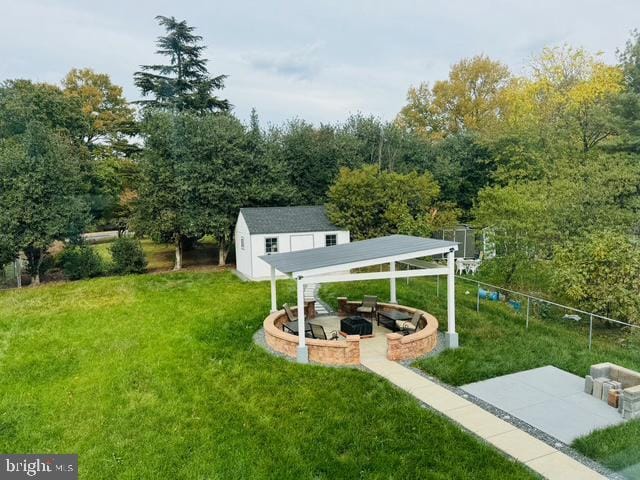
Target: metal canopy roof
{"x":357,"y":254}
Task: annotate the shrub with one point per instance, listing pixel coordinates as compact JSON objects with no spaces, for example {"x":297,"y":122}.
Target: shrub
{"x":601,"y":272}
{"x":80,"y":261}
{"x":128,"y":256}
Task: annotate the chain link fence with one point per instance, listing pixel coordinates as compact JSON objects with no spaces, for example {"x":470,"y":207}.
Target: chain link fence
{"x":529,"y":306}
{"x":10,"y":275}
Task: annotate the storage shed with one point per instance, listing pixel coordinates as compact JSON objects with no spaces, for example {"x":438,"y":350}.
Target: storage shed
{"x":265,"y":230}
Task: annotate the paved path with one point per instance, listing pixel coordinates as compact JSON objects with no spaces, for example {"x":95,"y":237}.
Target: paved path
{"x":537,"y":455}
{"x":550,"y":399}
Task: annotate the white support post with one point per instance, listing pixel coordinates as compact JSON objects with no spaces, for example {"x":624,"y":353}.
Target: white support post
{"x":274,"y":295}
{"x":392,"y":283}
{"x":451,"y":336}
{"x":303,"y":353}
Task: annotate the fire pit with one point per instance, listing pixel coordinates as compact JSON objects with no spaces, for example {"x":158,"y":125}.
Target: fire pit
{"x":356,"y":326}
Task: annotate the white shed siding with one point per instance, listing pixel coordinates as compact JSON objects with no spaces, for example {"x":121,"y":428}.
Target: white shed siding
{"x":261,"y":270}
{"x":243,"y":255}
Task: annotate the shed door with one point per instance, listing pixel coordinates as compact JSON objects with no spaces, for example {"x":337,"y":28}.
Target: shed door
{"x":301,"y":242}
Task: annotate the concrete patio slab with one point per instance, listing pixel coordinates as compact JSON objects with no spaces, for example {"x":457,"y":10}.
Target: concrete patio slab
{"x":503,"y":395}
{"x":549,"y":399}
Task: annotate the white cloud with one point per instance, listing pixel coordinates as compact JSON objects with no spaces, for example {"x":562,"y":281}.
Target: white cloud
{"x":302,"y":63}
{"x":314,"y":60}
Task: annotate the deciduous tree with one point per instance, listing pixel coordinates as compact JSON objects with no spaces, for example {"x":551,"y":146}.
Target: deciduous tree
{"x":40,"y":193}
{"x":469,"y":100}
{"x":196,"y":173}
{"x":23,"y":102}
{"x":371,"y":203}
{"x":600,"y":272}
{"x":107,"y":113}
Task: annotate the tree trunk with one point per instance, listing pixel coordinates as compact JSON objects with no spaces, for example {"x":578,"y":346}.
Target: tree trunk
{"x":18,"y":267}
{"x":34,"y":257}
{"x":223,"y":251}
{"x":178,"y":264}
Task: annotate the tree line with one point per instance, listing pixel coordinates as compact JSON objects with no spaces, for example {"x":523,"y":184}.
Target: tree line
{"x":545,"y":162}
{"x":561,"y":196}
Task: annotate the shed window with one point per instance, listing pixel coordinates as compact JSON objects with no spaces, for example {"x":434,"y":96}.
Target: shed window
{"x":271,"y":244}
{"x":330,"y":240}
{"x":242,"y":243}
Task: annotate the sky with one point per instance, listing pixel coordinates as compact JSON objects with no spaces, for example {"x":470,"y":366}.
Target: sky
{"x":315,"y":60}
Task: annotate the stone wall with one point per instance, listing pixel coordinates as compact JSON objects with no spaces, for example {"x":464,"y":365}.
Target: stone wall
{"x":616,"y":385}
{"x":332,"y":352}
{"x":399,"y":347}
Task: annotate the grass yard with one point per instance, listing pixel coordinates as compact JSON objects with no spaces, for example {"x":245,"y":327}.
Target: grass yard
{"x":615,"y":447}
{"x":161,"y":256}
{"x":495,"y":342}
{"x":156,"y":376}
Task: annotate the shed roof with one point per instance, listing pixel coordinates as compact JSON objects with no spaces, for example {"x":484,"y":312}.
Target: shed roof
{"x":357,"y":254}
{"x":287,"y":219}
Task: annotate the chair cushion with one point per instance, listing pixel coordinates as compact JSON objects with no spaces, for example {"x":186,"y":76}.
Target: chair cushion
{"x":404,"y":325}
{"x":365,"y":309}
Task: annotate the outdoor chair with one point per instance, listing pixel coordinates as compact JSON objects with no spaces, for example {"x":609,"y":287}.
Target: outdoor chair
{"x":411,"y":326}
{"x":369,"y":305}
{"x":287,"y":327}
{"x":290,"y":315}
{"x":473,"y":266}
{"x":317,"y":332}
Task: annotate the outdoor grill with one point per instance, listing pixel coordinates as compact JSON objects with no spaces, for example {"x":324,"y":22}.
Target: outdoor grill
{"x":356,"y":326}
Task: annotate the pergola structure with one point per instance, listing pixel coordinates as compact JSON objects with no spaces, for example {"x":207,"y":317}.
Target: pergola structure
{"x":334,"y":264}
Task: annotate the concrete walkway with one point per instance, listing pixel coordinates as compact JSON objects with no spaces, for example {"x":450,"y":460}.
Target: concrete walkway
{"x":537,"y":455}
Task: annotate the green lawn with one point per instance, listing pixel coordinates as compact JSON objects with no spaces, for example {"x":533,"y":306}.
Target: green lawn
{"x":156,"y":376}
{"x":495,"y":342}
{"x":161,"y":256}
{"x":615,"y":447}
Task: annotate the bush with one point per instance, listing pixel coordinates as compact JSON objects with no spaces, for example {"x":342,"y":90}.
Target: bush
{"x":80,"y":261}
{"x":600,"y":272}
{"x":128,"y":256}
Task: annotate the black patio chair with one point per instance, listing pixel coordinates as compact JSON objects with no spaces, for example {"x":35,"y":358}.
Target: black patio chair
{"x":318,"y":332}
{"x":369,"y":305}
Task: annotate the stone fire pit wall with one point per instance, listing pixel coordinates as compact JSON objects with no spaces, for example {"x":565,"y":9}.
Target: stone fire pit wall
{"x":401,"y":347}
{"x":330,"y":352}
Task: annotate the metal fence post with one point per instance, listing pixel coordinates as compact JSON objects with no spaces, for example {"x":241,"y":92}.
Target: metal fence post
{"x":590,"y":330}
{"x":437,"y":285}
{"x":478,"y":298}
{"x":528,"y":301}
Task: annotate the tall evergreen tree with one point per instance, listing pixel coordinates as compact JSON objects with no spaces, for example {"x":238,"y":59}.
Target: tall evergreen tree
{"x":184,"y":84}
